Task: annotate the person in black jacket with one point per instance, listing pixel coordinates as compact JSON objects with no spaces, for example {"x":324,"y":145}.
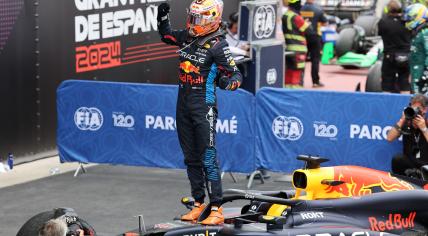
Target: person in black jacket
{"x":205,"y":61}
{"x":396,"y":40}
{"x":313,"y":13}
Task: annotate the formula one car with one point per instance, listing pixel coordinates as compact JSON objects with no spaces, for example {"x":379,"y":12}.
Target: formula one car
{"x":340,"y":200}
{"x":355,"y":45}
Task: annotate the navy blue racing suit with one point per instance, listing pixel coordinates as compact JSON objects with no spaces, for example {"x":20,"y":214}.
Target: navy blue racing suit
{"x":202,"y":61}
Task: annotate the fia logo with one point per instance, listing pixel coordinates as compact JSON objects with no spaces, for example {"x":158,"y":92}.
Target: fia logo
{"x":271,"y":76}
{"x":287,"y":128}
{"x":122,"y":120}
{"x":88,"y":118}
{"x":264,"y":21}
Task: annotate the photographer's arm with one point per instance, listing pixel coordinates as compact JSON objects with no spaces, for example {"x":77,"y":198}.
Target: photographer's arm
{"x":395,"y":131}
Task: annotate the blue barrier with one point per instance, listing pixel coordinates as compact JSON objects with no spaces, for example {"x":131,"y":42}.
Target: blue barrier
{"x":134,"y":124}
{"x":347,"y":128}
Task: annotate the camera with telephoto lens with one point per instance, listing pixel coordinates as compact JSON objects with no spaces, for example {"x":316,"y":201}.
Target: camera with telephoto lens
{"x":411,"y":112}
{"x":71,"y":218}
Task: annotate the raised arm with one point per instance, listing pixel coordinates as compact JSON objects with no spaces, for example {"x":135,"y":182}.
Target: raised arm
{"x":169,"y":36}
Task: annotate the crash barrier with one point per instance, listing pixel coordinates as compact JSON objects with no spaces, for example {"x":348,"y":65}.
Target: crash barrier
{"x":348,"y":128}
{"x":134,"y":124}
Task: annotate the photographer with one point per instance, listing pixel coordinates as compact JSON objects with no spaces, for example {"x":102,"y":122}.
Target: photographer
{"x":57,"y":222}
{"x":413,"y":126}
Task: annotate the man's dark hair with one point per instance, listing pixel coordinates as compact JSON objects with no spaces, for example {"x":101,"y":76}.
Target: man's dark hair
{"x":233,"y":19}
{"x":420,"y":98}
{"x":394,"y":7}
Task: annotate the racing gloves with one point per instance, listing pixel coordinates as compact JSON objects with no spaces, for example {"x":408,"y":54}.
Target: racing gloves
{"x":229,"y":84}
{"x":163,"y":11}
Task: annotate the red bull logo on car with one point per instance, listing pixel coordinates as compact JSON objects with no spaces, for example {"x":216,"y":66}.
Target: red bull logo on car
{"x":393,"y":222}
{"x":359,"y":181}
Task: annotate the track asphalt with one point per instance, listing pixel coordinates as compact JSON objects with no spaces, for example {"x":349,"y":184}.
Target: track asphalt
{"x":109,"y":197}
{"x":335,"y":78}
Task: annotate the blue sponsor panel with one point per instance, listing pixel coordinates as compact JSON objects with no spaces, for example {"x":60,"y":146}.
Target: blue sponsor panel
{"x":271,"y":68}
{"x":236,"y":130}
{"x":131,"y":126}
{"x":134,"y":124}
{"x":347,"y":128}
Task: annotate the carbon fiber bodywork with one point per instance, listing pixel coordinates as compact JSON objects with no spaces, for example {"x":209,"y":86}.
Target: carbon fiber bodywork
{"x":327,"y":201}
{"x":385,"y":213}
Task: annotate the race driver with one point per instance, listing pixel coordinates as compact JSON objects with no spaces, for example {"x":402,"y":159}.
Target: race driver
{"x":416,"y":16}
{"x":205,"y":61}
